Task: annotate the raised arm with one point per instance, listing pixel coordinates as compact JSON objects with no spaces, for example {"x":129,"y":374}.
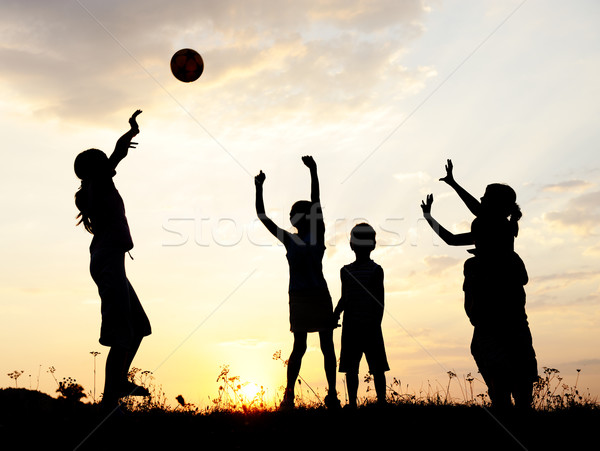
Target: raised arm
{"x":315,"y":195}
{"x":461,"y":239}
{"x":278,"y":232}
{"x":472,"y":204}
{"x":124,"y":142}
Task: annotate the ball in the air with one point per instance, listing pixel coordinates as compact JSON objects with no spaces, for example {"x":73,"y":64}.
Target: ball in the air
{"x":187,"y":65}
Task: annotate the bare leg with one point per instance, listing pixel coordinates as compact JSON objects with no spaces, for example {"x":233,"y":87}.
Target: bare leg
{"x":499,"y":392}
{"x":130,"y":354}
{"x":380,"y":387}
{"x":294,"y":362}
{"x":115,"y":372}
{"x":352,"y":384}
{"x":116,"y":384}
{"x":130,"y":388}
{"x":326,"y":339}
{"x":523,"y":395}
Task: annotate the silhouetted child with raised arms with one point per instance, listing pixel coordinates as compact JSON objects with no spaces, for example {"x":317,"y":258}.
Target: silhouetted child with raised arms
{"x":102,"y":213}
{"x":362,"y":302}
{"x":494,"y":292}
{"x":311,"y":309}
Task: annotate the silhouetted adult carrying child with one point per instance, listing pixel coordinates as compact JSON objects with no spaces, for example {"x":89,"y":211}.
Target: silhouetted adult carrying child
{"x":362,"y":302}
{"x":311,"y":309}
{"x":102,"y":213}
{"x":494,"y":292}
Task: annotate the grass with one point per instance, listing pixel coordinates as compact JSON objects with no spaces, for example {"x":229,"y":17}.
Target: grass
{"x":563,"y":418}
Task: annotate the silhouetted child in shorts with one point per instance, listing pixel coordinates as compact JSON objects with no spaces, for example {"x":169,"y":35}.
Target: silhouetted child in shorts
{"x":362,"y":302}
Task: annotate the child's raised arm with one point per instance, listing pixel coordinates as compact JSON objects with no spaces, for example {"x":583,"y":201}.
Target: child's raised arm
{"x":310,"y":163}
{"x":278,"y":232}
{"x":472,"y":204}
{"x":462,"y":239}
{"x":124,"y":143}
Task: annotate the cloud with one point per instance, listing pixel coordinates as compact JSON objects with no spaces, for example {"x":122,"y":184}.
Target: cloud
{"x":568,"y":186}
{"x":437,"y":264}
{"x":582,"y":214}
{"x":564,"y":279}
{"x":91,"y":302}
{"x":263,"y":59}
{"x":584,"y":363}
{"x":560,"y":292}
{"x":420,"y":177}
{"x":593,"y":250}
{"x":547,"y":287}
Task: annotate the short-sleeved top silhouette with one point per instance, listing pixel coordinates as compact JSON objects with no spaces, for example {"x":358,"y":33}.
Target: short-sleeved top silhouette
{"x":107,"y":214}
{"x":362,"y":292}
{"x":305,"y":257}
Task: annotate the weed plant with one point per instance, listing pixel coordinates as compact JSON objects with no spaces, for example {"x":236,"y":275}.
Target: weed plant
{"x":70,"y":390}
{"x":156,"y":401}
{"x":550,"y":394}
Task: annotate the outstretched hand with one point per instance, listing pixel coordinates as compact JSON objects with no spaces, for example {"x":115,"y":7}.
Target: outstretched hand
{"x":309,"y":162}
{"x":133,"y":122}
{"x":426,"y":205}
{"x":449,"y":179}
{"x":260,"y":179}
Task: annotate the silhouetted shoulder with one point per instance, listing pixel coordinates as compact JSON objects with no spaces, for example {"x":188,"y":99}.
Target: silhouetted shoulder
{"x":368,"y":266}
{"x":362,"y":276}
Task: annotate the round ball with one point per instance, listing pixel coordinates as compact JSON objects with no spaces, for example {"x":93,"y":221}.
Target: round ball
{"x":187,"y":65}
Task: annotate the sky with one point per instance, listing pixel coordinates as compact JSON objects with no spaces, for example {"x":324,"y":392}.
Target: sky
{"x":380,"y":93}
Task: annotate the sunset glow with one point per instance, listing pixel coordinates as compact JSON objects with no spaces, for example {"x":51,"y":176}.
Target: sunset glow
{"x":380,"y":93}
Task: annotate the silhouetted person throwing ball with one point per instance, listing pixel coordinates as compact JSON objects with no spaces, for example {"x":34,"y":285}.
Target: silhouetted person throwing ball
{"x":494,"y":292}
{"x":362,"y":302}
{"x":102,"y":213}
{"x":311,"y":309}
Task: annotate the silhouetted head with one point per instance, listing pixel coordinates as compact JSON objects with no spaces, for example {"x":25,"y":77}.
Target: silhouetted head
{"x":91,"y":163}
{"x":500,"y":200}
{"x":299,"y":214}
{"x":362,"y":239}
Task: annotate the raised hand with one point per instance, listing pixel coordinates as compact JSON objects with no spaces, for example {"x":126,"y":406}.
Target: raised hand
{"x":309,"y":162}
{"x":426,"y":205}
{"x":133,"y":122}
{"x":260,"y":179}
{"x":449,"y":179}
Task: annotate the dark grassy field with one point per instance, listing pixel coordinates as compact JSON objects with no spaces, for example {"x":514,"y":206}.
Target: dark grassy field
{"x":32,"y":420}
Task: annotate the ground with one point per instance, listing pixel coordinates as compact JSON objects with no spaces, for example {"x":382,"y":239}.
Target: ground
{"x":33,"y":420}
